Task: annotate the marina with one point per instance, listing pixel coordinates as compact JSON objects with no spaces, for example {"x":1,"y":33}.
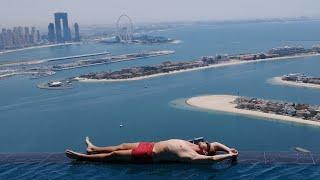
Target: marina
{"x":56,"y":85}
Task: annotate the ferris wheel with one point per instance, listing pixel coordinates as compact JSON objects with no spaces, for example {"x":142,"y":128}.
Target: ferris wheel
{"x":125,"y":29}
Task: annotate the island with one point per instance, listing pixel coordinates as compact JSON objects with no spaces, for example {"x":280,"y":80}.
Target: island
{"x":261,"y":108}
{"x":168,"y":67}
{"x":48,"y":67}
{"x":297,"y":79}
{"x":141,"y":39}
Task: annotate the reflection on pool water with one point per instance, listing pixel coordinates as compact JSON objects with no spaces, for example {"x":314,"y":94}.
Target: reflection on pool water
{"x":160,"y":171}
{"x":250,"y":165}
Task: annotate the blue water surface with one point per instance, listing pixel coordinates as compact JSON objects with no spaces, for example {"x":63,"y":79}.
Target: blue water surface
{"x":158,"y":171}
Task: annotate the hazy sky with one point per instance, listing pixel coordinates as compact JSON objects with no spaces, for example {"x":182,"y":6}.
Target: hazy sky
{"x":40,"y":12}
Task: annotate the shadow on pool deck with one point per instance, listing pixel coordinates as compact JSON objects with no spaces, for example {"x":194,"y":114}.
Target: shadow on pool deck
{"x":245,"y":157}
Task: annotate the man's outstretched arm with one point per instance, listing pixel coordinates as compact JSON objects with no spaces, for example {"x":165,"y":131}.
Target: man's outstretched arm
{"x":202,"y":159}
{"x":221,"y":147}
{"x":211,"y":159}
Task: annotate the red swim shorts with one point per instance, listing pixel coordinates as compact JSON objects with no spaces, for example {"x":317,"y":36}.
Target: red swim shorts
{"x":143,"y":152}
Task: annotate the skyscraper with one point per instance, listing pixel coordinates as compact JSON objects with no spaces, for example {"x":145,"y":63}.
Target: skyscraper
{"x":26,"y":35}
{"x":33,"y":36}
{"x":76,"y":32}
{"x":1,"y":41}
{"x":4,"y":36}
{"x":10,"y":39}
{"x":21,"y":40}
{"x":66,"y":33}
{"x":38,"y":36}
{"x":51,"y":34}
{"x":19,"y":37}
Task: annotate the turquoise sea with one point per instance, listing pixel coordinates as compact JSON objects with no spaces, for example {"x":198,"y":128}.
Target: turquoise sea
{"x":36,"y":120}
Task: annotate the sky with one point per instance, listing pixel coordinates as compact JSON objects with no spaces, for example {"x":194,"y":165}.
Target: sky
{"x":88,"y":12}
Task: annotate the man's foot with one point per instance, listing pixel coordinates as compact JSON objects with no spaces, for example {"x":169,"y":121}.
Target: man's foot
{"x":90,"y":146}
{"x":73,"y":155}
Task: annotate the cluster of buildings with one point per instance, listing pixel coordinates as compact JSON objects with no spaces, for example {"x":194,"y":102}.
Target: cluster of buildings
{"x":301,"y":78}
{"x":60,"y":32}
{"x":316,"y":48}
{"x":168,"y":66}
{"x":278,"y":52}
{"x":143,"y":39}
{"x":304,"y":111}
{"x":287,"y":50}
{"x":250,"y":57}
{"x":19,"y":37}
{"x":146,"y":39}
{"x":165,"y":67}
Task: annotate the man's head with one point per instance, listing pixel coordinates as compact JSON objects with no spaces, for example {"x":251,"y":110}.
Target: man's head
{"x":207,"y":148}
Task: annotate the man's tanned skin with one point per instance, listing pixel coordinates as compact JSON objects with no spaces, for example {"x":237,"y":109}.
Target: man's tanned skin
{"x":173,"y":150}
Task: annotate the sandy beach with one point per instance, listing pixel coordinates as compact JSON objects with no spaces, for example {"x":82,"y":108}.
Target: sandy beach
{"x":223,"y":103}
{"x":279,"y":81}
{"x":229,"y":63}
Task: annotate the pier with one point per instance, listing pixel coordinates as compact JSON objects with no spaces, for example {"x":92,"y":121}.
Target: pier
{"x":77,"y":56}
{"x":111,"y":59}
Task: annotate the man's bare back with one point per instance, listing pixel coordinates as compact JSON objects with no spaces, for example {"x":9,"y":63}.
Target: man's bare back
{"x":174,"y":150}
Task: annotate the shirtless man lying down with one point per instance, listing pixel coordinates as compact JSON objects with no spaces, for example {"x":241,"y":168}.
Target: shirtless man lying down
{"x":173,"y":150}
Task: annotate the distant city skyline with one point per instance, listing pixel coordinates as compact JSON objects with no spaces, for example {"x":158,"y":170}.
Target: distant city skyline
{"x":39,"y":12}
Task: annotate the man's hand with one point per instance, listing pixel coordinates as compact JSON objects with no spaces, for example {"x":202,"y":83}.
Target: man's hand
{"x":233,"y":152}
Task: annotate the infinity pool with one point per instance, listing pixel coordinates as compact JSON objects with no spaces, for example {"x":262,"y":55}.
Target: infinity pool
{"x":250,"y":165}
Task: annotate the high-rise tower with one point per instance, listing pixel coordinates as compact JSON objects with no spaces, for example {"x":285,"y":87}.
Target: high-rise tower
{"x":51,"y":34}
{"x":33,"y":36}
{"x":66,"y":33}
{"x":27,"y":35}
{"x":76,"y":32}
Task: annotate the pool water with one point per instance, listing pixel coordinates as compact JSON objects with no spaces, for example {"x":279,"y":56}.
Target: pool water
{"x":250,"y":165}
{"x":171,"y":171}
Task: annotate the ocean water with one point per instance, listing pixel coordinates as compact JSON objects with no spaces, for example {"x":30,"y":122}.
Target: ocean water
{"x":37,"y":120}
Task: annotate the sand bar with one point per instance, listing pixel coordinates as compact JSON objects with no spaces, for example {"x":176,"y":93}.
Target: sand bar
{"x":279,"y":81}
{"x":229,"y":63}
{"x":223,"y":103}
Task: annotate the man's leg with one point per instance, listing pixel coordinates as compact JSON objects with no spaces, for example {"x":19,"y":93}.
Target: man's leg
{"x":92,"y":149}
{"x":116,"y":156}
